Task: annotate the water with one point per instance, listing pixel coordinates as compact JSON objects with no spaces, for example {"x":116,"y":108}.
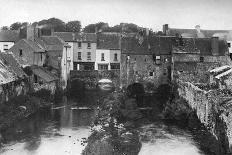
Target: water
{"x":60,"y":132}
{"x":161,"y":139}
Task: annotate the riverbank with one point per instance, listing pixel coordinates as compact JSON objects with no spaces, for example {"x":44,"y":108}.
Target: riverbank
{"x":22,"y":106}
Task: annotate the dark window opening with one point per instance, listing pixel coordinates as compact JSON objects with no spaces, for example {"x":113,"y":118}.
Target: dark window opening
{"x":20,"y":52}
{"x":151,"y":73}
{"x":230,"y":56}
{"x":79,"y":56}
{"x":5,"y":47}
{"x":145,"y":60}
{"x":74,"y":66}
{"x":89,"y":56}
{"x":35,"y":79}
{"x":102,"y":67}
{"x":115,"y":66}
{"x":89,"y":45}
{"x":135,"y":59}
{"x":102,"y":57}
{"x":228,"y":44}
{"x":41,"y":57}
{"x":115,"y":57}
{"x":201,"y":59}
{"x":79,"y":44}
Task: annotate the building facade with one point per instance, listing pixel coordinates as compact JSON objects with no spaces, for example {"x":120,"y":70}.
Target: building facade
{"x":7,"y":39}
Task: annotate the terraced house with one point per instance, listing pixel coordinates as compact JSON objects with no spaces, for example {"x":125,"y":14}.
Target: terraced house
{"x":83,"y":47}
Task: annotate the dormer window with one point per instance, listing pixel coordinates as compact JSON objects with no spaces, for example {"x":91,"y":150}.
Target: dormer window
{"x":102,"y":57}
{"x":88,"y":45}
{"x":20,"y":52}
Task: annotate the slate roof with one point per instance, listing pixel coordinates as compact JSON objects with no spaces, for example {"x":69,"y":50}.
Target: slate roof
{"x":13,"y":65}
{"x":35,"y":45}
{"x":73,"y":37}
{"x":222,"y":34}
{"x":107,"y":40}
{"x":9,"y":36}
{"x":46,"y":75}
{"x":150,"y":45}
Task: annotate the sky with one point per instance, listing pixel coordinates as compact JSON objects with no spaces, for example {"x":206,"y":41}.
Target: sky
{"x":209,"y":14}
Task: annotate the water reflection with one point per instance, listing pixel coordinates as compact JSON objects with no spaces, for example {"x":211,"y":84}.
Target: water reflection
{"x":49,"y":131}
{"x":160,"y":139}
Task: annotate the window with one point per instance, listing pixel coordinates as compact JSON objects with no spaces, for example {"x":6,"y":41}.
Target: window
{"x":79,"y":44}
{"x":5,"y":47}
{"x":74,"y":66}
{"x":201,"y":59}
{"x":79,"y":56}
{"x":150,"y":73}
{"x":89,"y":45}
{"x":20,"y":52}
{"x":102,"y":57}
{"x":115,"y":66}
{"x":115,"y":57}
{"x":158,"y":60}
{"x":88,"y":55}
{"x":41,"y":56}
{"x":228,"y":44}
{"x":102,"y":67}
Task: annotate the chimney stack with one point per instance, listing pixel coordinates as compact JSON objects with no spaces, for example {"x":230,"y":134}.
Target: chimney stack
{"x":215,"y":46}
{"x":30,"y":32}
{"x":165,"y":29}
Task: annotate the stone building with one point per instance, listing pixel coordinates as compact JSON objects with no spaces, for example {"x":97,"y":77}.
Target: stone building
{"x":13,"y":80}
{"x":193,"y":58}
{"x":48,"y":51}
{"x":145,"y":59}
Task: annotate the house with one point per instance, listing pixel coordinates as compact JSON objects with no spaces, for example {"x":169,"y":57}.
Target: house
{"x":108,"y":53}
{"x":7,"y":39}
{"x":47,"y":51}
{"x":13,"y":80}
{"x":145,"y":59}
{"x":83,"y":47}
{"x":193,"y":58}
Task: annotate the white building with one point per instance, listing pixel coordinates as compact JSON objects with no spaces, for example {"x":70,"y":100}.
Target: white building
{"x":7,"y":39}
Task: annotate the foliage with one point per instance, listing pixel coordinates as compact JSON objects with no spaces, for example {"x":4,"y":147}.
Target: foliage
{"x":28,"y":70}
{"x":73,"y":26}
{"x":92,"y":28}
{"x":57,"y":24}
{"x":18,"y":25}
{"x":5,"y":28}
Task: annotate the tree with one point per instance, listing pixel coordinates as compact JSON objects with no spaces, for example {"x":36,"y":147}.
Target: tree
{"x":57,"y":24}
{"x":92,"y":28}
{"x":73,"y":26}
{"x":15,"y":26}
{"x":5,"y":28}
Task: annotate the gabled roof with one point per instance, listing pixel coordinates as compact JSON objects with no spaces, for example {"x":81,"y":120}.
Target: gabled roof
{"x":35,"y":45}
{"x":9,"y":36}
{"x":12,"y":64}
{"x":46,"y":75}
{"x":107,"y":40}
{"x":66,"y":36}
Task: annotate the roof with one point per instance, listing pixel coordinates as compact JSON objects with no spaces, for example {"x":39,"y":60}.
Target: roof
{"x":12,"y":64}
{"x":218,"y":69}
{"x":107,"y":40}
{"x":223,"y":74}
{"x":44,"y":74}
{"x":9,"y":35}
{"x":200,"y":45}
{"x":73,"y":37}
{"x":147,"y":45}
{"x":35,"y":45}
{"x":222,"y":34}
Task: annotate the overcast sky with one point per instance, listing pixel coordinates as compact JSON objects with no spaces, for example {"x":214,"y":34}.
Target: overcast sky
{"x":210,"y":14}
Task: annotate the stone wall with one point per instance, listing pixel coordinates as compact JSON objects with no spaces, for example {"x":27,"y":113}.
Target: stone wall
{"x":92,"y":77}
{"x":213,"y":110}
{"x":13,"y":89}
{"x":143,"y":69}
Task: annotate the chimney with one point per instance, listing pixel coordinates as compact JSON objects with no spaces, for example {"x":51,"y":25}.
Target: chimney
{"x":198,"y":28}
{"x":165,"y":29}
{"x":215,"y":46}
{"x":30,"y":32}
{"x":52,"y":31}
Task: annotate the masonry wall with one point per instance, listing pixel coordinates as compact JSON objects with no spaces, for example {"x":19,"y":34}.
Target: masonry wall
{"x":84,"y":50}
{"x":143,"y":69}
{"x":188,"y":67}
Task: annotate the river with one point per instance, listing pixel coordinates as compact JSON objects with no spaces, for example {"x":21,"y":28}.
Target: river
{"x":60,"y":131}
